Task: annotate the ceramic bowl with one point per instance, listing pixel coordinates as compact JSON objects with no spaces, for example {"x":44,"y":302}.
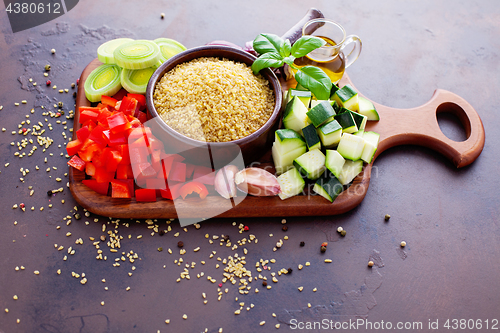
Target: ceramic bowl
{"x":251,"y":147}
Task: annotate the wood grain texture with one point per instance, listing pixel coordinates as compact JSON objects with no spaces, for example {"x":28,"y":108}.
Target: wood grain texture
{"x":416,"y":126}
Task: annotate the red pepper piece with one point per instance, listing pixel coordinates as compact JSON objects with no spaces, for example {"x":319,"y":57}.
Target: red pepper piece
{"x":141,"y":100}
{"x":120,"y":94}
{"x":111,"y":158}
{"x":74,"y":146}
{"x":172,"y":191}
{"x":122,"y":188}
{"x":118,"y":123}
{"x":83,"y":133}
{"x":77,"y":163}
{"x":90,"y":169}
{"x":128,"y":105}
{"x":124,"y":171}
{"x":145,"y":195}
{"x":177,"y":172}
{"x":87,"y":115}
{"x":193,"y":187}
{"x":101,"y":188}
{"x":110,"y":101}
{"x":97,"y":136}
{"x":103,"y":176}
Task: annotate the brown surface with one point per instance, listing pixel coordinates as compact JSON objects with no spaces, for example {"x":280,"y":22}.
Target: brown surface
{"x":416,"y":126}
{"x":449,"y":217}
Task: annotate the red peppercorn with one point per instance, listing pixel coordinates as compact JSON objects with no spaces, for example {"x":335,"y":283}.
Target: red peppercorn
{"x":77,"y":81}
{"x":24,"y":130}
{"x":246,"y":228}
{"x":58,"y":114}
{"x":325,"y":244}
{"x":21,"y":205}
{"x":48,"y":82}
{"x":220,"y":285}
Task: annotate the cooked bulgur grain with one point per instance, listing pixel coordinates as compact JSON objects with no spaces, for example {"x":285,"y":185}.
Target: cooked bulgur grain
{"x":214,"y":100}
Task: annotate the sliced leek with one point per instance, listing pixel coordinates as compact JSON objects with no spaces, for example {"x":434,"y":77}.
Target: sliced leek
{"x":135,"y":81}
{"x":137,"y":54}
{"x":104,"y":80}
{"x":168,"y":48}
{"x":105,"y":51}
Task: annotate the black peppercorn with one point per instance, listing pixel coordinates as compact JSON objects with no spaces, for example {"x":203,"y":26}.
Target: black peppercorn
{"x":323,"y":249}
{"x":302,"y":243}
{"x":180,"y":244}
{"x":264,"y":283}
{"x":285,"y":228}
{"x":289,"y":270}
{"x":74,"y":94}
{"x":49,"y":193}
{"x":161,"y":232}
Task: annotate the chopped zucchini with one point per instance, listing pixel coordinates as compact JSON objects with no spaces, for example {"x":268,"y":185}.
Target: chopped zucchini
{"x":288,"y":140}
{"x":328,"y":186}
{"x":334,"y":89}
{"x":300,"y":87}
{"x":359,"y":119}
{"x":349,"y":171}
{"x":311,"y":137}
{"x":351,"y":146}
{"x":311,"y":164}
{"x":347,"y":122}
{"x":334,"y":162}
{"x":367,"y":109}
{"x":291,"y":184}
{"x":284,"y":161}
{"x":330,"y":133}
{"x":321,"y":113}
{"x":295,"y":116}
{"x":359,"y":133}
{"x":303,"y":95}
{"x":347,"y":97}
{"x":371,"y":144}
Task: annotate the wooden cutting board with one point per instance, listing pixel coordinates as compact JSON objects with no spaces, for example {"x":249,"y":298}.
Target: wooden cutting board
{"x":416,"y":126}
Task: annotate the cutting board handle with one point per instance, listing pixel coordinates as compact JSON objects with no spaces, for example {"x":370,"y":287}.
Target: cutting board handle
{"x":419,"y":126}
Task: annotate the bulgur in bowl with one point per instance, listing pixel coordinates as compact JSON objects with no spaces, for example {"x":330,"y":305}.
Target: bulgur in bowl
{"x":206,"y":100}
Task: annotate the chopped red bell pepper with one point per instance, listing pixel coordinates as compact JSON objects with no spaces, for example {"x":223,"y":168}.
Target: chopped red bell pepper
{"x":172,"y":191}
{"x":124,"y":171}
{"x":145,"y":195}
{"x":83,"y":133}
{"x":118,"y":123}
{"x":89,"y":149}
{"x":193,"y":187}
{"x":177,"y":172}
{"x":73,"y":147}
{"x":115,"y":139}
{"x":120,"y":94}
{"x":77,"y":163}
{"x":103,"y":176}
{"x":167,"y":161}
{"x":111,"y":158}
{"x":142,"y":117}
{"x":90,"y":125}
{"x":124,"y":151}
{"x":110,"y":101}
{"x":97,"y":136}
{"x":140,"y":132}
{"x":90,"y":169}
{"x":122,"y":188}
{"x":101,"y":188}
{"x":87,"y":115}
{"x":103,"y":117}
{"x":156,"y":160}
{"x":138,"y":155}
{"x":204,"y":175}
{"x":141,"y":99}
{"x":156,"y":183}
{"x":128,"y":105}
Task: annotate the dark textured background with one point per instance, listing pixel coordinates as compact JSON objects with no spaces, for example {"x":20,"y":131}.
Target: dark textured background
{"x":448,"y":217}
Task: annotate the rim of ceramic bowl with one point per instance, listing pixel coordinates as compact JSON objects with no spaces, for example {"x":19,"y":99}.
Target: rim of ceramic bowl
{"x":219,"y":52}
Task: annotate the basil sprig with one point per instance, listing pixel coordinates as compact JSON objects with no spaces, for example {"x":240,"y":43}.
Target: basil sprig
{"x":275,"y":52}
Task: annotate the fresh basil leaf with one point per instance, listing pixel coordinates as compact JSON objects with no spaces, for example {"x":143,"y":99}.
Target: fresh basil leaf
{"x":266,"y":60}
{"x":265,"y":43}
{"x":289,"y":60}
{"x":315,"y":80}
{"x":285,"y":48}
{"x":306,"y":44}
